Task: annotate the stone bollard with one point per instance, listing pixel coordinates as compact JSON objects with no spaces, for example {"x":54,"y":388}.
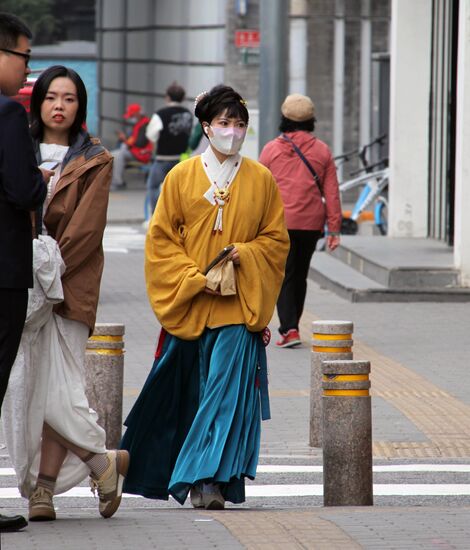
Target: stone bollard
{"x":104,"y":378}
{"x":331,"y":340}
{"x":347,"y":434}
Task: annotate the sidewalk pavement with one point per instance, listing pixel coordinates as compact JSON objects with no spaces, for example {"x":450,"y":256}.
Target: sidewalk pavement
{"x":128,"y":205}
{"x":421,"y":414}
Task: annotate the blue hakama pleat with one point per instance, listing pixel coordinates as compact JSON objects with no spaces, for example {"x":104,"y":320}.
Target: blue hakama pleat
{"x":197,"y":417}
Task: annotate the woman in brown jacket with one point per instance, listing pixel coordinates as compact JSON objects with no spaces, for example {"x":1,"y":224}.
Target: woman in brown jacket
{"x":74,"y":214}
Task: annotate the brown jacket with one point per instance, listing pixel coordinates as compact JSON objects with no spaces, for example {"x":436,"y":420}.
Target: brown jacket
{"x":76,"y":219}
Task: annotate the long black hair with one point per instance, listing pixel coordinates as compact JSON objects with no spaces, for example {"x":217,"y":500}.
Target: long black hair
{"x":41,"y":86}
{"x":221,"y":99}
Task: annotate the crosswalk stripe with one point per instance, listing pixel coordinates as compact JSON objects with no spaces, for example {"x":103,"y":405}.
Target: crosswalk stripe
{"x":298,"y":490}
{"x":118,"y":250}
{"x":422,"y":468}
{"x":378,"y":468}
{"x":122,"y":239}
{"x":310,"y":469}
{"x":121,"y":230}
{"x":380,"y":489}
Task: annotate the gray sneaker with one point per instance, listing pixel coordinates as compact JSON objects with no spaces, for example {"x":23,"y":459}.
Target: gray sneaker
{"x":196,"y":497}
{"x":109,"y":485}
{"x":213,"y":500}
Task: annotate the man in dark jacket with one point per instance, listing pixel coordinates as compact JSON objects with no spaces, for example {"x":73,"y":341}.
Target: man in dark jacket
{"x":22,"y":189}
{"x":170,"y":128}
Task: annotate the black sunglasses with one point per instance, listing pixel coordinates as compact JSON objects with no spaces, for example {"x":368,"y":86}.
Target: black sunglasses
{"x":25,"y":56}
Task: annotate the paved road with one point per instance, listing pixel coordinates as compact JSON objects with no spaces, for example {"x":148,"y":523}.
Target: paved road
{"x":419,"y":355}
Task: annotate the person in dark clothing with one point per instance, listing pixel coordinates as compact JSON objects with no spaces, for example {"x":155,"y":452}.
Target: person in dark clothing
{"x":309,"y":202}
{"x":22,"y":190}
{"x":170,"y":128}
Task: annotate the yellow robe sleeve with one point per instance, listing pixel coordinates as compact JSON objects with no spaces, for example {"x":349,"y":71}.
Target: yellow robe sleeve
{"x":262,"y":262}
{"x":173,"y":279}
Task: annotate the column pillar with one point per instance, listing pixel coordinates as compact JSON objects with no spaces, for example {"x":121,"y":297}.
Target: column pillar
{"x":338,"y":86}
{"x":366,"y":73}
{"x":462,"y":160}
{"x":298,"y":41}
{"x":273,"y":66}
{"x":410,"y":82}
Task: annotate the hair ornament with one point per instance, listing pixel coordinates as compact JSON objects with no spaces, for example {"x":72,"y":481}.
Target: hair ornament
{"x":243,"y":102}
{"x":198,"y":98}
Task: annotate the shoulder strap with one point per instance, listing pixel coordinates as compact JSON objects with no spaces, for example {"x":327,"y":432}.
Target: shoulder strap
{"x":304,"y":160}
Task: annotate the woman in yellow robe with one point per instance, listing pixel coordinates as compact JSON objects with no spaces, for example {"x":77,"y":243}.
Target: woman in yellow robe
{"x":196,"y":423}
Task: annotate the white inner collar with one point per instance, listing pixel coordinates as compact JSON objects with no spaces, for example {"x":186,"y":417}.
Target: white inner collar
{"x":220,"y":175}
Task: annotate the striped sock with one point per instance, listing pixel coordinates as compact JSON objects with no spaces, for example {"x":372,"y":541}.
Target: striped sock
{"x":98,"y":464}
{"x":46,"y":482}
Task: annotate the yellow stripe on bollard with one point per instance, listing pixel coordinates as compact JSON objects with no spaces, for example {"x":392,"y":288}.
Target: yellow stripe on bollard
{"x":317,"y":336}
{"x":105,"y":351}
{"x":331,"y":340}
{"x":104,"y":360}
{"x":346,"y":393}
{"x":106,"y":338}
{"x":321,"y":349}
{"x":346,"y":377}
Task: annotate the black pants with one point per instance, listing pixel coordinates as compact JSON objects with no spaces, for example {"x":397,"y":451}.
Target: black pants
{"x":290,"y":303}
{"x":13,"y":306}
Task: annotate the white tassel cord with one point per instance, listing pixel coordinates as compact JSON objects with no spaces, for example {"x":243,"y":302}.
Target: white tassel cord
{"x":218,"y":220}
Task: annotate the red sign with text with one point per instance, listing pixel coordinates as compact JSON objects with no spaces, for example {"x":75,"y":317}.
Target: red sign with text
{"x":247,"y":38}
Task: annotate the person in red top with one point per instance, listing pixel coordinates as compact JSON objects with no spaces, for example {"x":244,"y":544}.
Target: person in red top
{"x":133,"y":147}
{"x":310,"y":193}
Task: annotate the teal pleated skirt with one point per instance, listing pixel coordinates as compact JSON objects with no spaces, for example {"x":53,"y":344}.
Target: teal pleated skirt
{"x":197,"y":417}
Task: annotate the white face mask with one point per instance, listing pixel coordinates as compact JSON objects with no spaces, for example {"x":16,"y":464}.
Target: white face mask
{"x":227,"y":141}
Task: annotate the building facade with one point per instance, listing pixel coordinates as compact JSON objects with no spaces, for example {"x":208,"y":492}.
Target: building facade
{"x":429,"y":117}
{"x":371,"y":66}
{"x":145,"y":45}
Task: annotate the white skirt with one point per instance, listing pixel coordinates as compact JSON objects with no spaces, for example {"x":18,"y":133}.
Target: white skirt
{"x":47,"y":384}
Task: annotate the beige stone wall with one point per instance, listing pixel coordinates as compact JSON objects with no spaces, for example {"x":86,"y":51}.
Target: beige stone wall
{"x":320,"y":67}
{"x":320,"y":62}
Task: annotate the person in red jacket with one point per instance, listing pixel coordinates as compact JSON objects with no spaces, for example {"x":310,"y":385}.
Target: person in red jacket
{"x":309,"y":191}
{"x":133,"y":147}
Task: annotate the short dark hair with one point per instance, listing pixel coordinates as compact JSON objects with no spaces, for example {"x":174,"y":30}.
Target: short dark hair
{"x":175,"y":92}
{"x":219,"y":100}
{"x":11,"y":27}
{"x":288,"y":125}
{"x":39,"y":93}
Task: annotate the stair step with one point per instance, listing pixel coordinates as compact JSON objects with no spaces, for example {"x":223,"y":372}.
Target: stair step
{"x":399,"y":264}
{"x":331,"y":273}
